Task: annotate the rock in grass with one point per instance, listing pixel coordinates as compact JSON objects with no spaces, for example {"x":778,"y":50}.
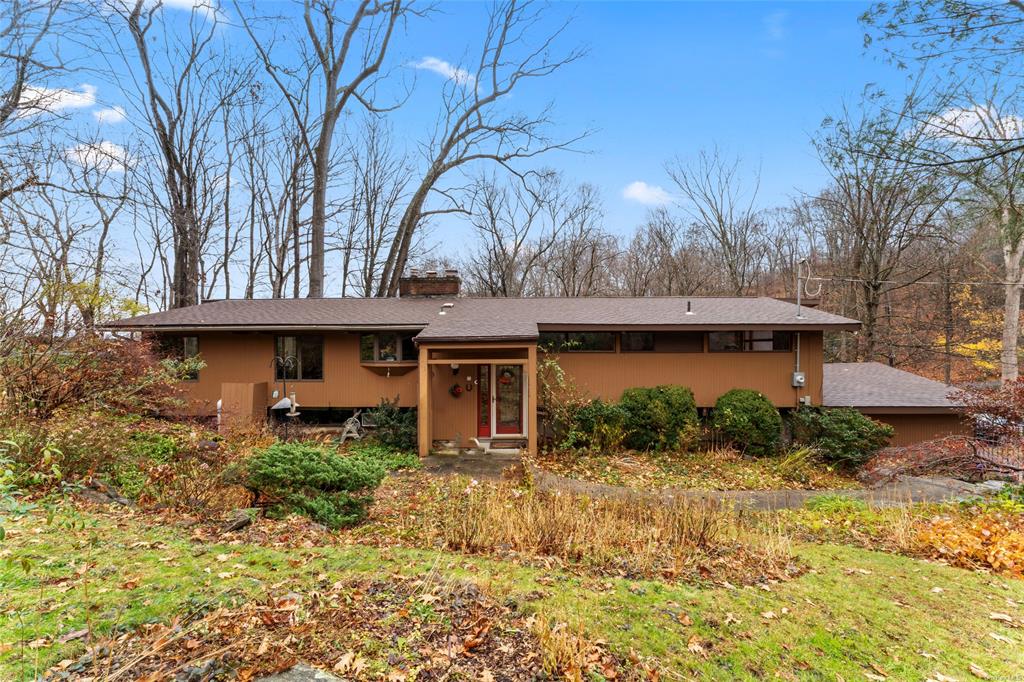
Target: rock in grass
{"x":301,"y":673}
{"x":239,"y":519}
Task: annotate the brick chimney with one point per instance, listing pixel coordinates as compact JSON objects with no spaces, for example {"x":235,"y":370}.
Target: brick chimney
{"x":429,"y":284}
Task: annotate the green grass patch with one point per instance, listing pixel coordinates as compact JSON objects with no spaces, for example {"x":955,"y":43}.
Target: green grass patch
{"x":852,"y":610}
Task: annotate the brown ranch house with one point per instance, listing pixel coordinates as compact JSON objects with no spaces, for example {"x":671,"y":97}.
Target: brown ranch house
{"x":470,"y":364}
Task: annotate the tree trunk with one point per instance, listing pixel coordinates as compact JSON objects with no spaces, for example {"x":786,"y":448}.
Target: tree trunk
{"x":871,"y":305}
{"x":1011,"y":312}
{"x":297,"y":253}
{"x":318,"y":221}
{"x":947,"y":311}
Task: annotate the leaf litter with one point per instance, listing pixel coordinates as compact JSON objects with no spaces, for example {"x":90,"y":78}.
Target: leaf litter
{"x":398,"y":628}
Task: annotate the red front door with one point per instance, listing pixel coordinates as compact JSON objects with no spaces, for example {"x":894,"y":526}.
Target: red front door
{"x":483,"y":401}
{"x":508,"y":398}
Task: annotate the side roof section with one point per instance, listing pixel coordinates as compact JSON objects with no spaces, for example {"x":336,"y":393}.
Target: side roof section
{"x":872,"y":385}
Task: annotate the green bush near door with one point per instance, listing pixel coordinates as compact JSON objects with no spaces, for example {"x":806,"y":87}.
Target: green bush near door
{"x":660,"y":418}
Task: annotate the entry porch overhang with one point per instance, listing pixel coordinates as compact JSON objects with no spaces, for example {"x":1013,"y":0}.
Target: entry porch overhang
{"x":491,"y":376}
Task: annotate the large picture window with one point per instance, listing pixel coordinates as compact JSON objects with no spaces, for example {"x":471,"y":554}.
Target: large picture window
{"x":387,"y":347}
{"x":750,"y":341}
{"x":570,"y":342}
{"x":302,"y":358}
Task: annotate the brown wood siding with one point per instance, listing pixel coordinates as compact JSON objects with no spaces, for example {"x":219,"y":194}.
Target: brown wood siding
{"x":915,"y":428}
{"x":452,"y":418}
{"x":709,"y":375}
{"x":246,"y":358}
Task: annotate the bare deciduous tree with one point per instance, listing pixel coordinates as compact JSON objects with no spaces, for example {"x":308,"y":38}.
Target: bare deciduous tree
{"x":183,"y":84}
{"x":28,"y":63}
{"x":980,"y":127}
{"x":721,"y":205}
{"x":475,"y":126}
{"x":346,"y":54}
{"x":379,"y":177}
{"x":879,"y":204}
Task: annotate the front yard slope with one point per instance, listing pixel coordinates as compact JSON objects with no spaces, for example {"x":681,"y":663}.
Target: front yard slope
{"x":88,"y":577}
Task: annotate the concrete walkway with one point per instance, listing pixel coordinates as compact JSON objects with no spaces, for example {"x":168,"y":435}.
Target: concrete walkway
{"x":479,"y":466}
{"x":905,"y":490}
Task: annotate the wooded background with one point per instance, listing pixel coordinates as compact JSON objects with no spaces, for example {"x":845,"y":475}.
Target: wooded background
{"x":268,"y":167}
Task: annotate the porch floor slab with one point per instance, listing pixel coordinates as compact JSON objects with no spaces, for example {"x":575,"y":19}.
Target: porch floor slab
{"x":478,"y":466}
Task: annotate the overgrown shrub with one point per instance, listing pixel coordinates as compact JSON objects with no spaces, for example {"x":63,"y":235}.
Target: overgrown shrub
{"x":396,"y":427}
{"x":798,"y":465}
{"x":841,"y":435}
{"x":156,"y":447}
{"x":40,"y":377}
{"x":314,"y":480}
{"x":72,"y":444}
{"x":388,"y":457}
{"x":748,"y":420}
{"x":597,"y":426}
{"x":659,"y":418}
{"x":629,"y":536}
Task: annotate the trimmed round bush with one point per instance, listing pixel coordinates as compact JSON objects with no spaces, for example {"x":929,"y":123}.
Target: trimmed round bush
{"x":660,"y":418}
{"x":748,"y":420}
{"x":842,"y":435}
{"x":309,"y":479}
{"x":597,"y":426}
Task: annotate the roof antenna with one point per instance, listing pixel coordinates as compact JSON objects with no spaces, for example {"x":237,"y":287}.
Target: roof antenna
{"x":801,"y":285}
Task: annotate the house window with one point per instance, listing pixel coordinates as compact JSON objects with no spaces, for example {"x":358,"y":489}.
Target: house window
{"x":190,"y":349}
{"x":302,"y":358}
{"x":571,"y":342}
{"x":750,"y":341}
{"x":180,"y":348}
{"x":662,"y":342}
{"x":387,"y":347}
{"x":636,"y":342}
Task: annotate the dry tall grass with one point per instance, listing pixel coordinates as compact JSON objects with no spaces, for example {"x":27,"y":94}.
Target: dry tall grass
{"x":635,"y":537}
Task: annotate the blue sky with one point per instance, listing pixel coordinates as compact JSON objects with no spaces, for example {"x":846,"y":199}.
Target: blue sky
{"x":660,"y":80}
{"x":667,"y":78}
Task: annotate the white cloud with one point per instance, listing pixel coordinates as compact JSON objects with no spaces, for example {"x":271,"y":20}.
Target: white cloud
{"x":103,"y":156}
{"x":38,"y":99}
{"x":775,"y":25}
{"x":979,"y":122}
{"x":112,"y":115}
{"x":446,"y":69}
{"x":208,"y":9}
{"x":652,"y":195}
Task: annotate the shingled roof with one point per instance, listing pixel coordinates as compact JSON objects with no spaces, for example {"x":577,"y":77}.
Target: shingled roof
{"x":489,"y":318}
{"x":872,"y":384}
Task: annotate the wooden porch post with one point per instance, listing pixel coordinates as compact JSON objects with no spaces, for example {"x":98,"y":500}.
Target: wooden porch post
{"x":423,"y":406}
{"x":531,"y":399}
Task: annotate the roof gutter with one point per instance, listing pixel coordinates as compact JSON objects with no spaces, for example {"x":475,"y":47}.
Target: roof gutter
{"x":259,"y":327}
{"x":739,"y":326}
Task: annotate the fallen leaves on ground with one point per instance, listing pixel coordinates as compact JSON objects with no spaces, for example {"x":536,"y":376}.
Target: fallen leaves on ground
{"x":981,"y":538}
{"x":396,"y":629}
{"x":721,"y":469}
